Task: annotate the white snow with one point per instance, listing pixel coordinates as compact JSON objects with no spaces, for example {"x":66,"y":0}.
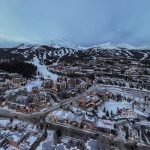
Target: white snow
{"x":24,"y":46}
{"x":5,"y":122}
{"x":112,"y":106}
{"x":105,"y":124}
{"x":145,"y":56}
{"x":110,"y":45}
{"x":50,"y":137}
{"x":42,"y":69}
{"x":101,"y":113}
{"x":31,"y":139}
{"x":44,"y":56}
{"x":31,"y":84}
{"x":13,"y":91}
{"x":141,"y":113}
{"x":105,"y":46}
{"x":128,"y":46}
{"x":144,"y":123}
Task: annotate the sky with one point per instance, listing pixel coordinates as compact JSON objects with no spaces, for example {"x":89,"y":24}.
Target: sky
{"x":81,"y":22}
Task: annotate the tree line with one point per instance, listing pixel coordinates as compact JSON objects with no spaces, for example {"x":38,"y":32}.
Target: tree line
{"x":27,"y":70}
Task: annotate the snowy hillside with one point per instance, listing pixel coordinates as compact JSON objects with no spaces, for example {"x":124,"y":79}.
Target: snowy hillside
{"x":54,"y":53}
{"x":42,"y":70}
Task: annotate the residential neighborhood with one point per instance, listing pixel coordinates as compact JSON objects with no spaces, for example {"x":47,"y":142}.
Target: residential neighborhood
{"x":102,"y":99}
{"x":74,"y":74}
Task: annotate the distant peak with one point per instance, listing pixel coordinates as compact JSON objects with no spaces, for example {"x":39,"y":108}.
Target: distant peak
{"x":26,"y":46}
{"x":109,"y":45}
{"x":106,"y":46}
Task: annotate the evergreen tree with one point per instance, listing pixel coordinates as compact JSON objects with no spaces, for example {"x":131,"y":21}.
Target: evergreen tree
{"x":45,"y":134}
{"x":81,"y":125}
{"x":112,"y":113}
{"x":15,"y":66}
{"x":95,"y":107}
{"x":93,"y":111}
{"x":11,"y":120}
{"x":16,"y":127}
{"x":104,"y":110}
{"x":127,"y":134}
{"x":107,"y":113}
{"x":41,"y":126}
{"x":58,"y":133}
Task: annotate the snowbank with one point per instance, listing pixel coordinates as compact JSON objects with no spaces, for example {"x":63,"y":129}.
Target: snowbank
{"x":113,"y":106}
{"x":42,"y":69}
{"x":141,"y":113}
{"x":31,"y":84}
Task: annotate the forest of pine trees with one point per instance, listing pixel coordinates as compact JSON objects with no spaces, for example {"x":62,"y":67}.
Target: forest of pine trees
{"x":26,"y":69}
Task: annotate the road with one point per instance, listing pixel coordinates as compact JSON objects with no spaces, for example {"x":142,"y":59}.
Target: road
{"x":132,"y":90}
{"x":106,"y":140}
{"x":38,"y":115}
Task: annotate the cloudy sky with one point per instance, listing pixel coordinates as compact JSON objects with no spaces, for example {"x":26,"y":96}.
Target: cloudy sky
{"x":82,"y":22}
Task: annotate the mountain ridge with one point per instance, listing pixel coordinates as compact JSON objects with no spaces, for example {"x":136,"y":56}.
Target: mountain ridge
{"x":55,"y":53}
{"x":103,"y":46}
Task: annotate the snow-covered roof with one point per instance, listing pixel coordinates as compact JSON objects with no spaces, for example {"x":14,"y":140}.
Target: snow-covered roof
{"x":33,"y":84}
{"x":113,"y":106}
{"x":143,"y":114}
{"x":31,"y":139}
{"x":105,"y":124}
{"x":92,"y":145}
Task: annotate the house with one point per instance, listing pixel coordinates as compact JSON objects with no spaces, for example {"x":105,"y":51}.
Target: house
{"x":3,"y":74}
{"x":89,"y":101}
{"x":47,"y":84}
{"x":17,"y":80}
{"x":56,"y":86}
{"x":92,"y":145}
{"x":60,"y":147}
{"x":71,"y":82}
{"x":31,"y":142}
{"x":2,"y":101}
{"x":15,"y":138}
{"x":125,"y":113}
{"x":48,"y":146}
{"x":35,"y":90}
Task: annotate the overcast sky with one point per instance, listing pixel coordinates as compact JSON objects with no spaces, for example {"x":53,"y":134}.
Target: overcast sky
{"x":82,"y":22}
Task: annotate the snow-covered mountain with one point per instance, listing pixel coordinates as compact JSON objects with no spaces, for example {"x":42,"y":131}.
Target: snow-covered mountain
{"x":56,"y":52}
{"x":119,"y":51}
